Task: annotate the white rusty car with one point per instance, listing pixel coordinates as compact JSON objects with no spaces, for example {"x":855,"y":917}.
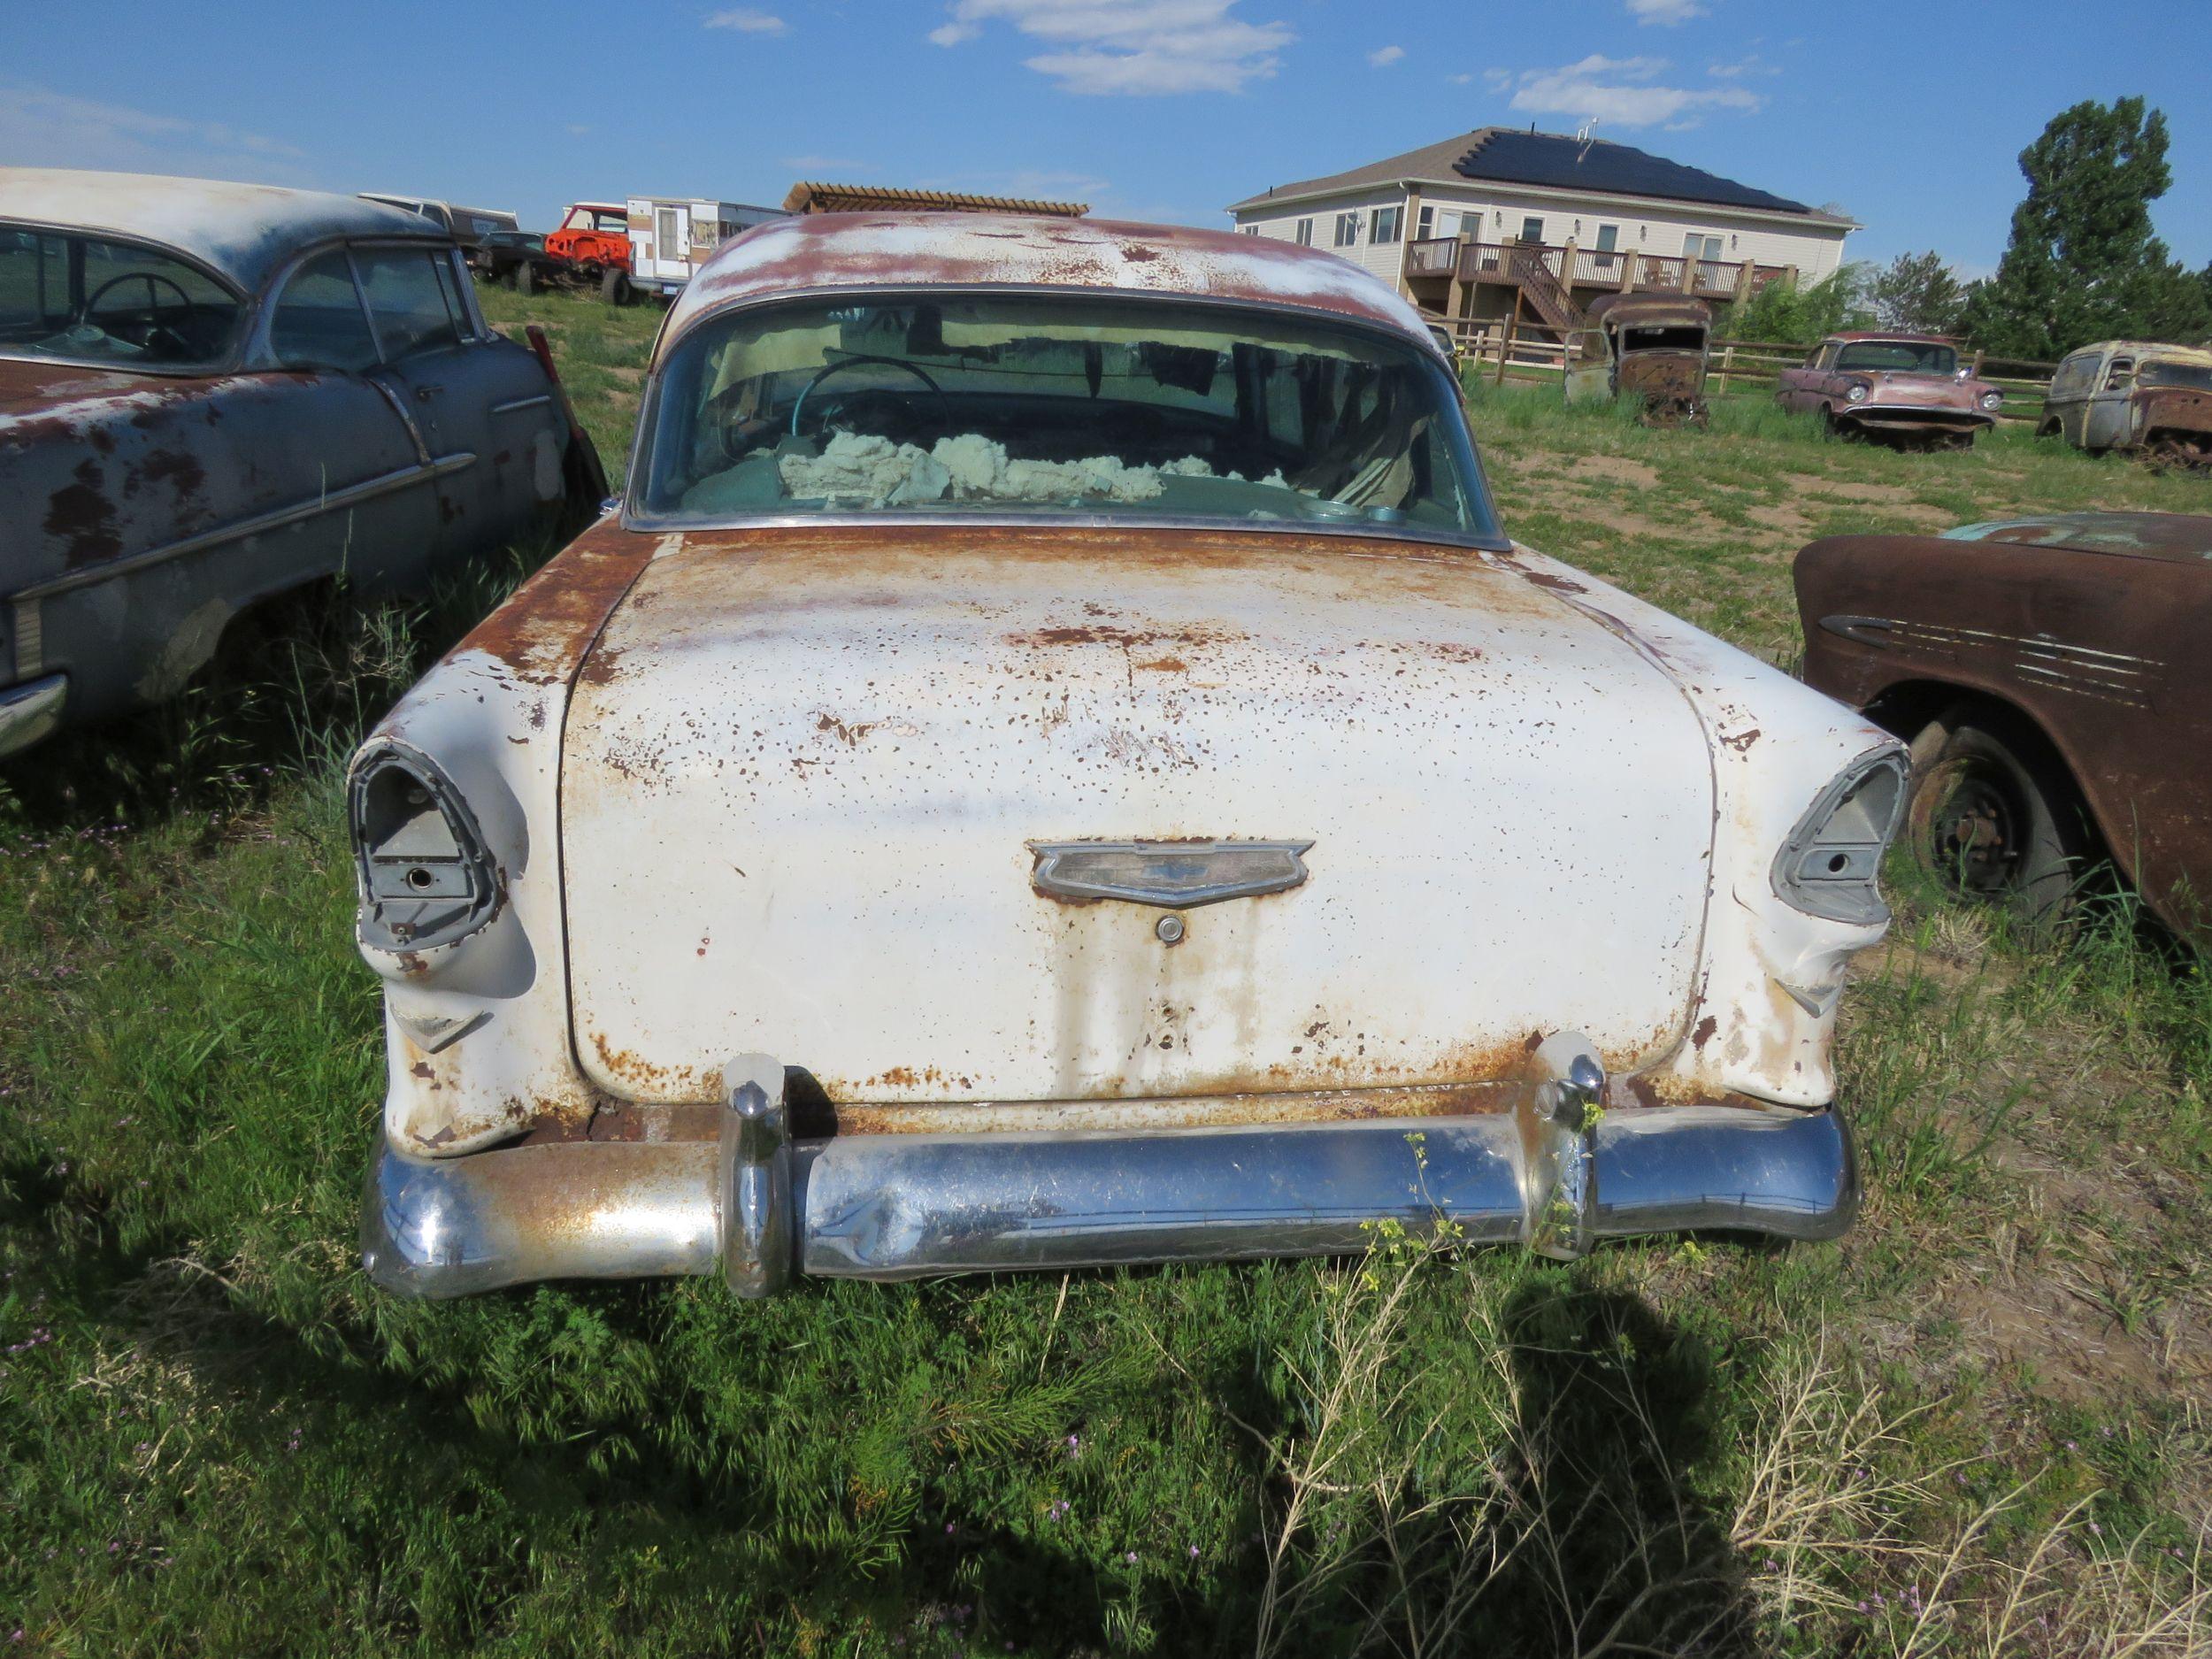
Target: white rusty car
{"x":1056,"y":763}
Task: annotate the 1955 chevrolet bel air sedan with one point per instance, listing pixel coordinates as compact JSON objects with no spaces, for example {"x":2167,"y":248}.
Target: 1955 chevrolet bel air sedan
{"x":1056,"y":763}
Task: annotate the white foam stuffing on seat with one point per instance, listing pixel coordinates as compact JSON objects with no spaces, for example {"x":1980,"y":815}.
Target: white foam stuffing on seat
{"x":868,"y":469}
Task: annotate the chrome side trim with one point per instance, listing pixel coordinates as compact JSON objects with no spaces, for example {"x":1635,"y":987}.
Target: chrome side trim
{"x":896,"y":1206}
{"x":353,"y":495}
{"x":29,"y":712}
{"x":514,"y":404}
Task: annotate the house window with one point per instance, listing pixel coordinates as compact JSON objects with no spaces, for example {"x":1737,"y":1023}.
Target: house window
{"x":1385,"y":224}
{"x":1304,"y":236}
{"x":1250,"y":230}
{"x":1697,"y":247}
{"x":1608,"y":238}
{"x":1346,"y":229}
{"x":1533,"y":229}
{"x":1424,"y":225}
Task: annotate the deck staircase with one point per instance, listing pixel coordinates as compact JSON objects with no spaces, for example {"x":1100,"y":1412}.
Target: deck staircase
{"x":1545,"y":295}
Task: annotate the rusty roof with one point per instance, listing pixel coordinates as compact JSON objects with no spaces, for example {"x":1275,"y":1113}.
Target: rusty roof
{"x":874,"y":198}
{"x":241,"y":232}
{"x":1549,"y":161}
{"x":1649,"y":306}
{"x":2201,"y":354}
{"x":1849,"y":336}
{"x":2168,"y":536}
{"x":906,"y":250}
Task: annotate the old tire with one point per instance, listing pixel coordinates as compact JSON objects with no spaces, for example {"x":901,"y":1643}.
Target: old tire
{"x":526,"y":278}
{"x":1993,"y":817}
{"x":614,"y":287}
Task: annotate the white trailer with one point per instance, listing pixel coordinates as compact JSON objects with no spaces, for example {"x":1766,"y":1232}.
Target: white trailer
{"x":672,"y":236}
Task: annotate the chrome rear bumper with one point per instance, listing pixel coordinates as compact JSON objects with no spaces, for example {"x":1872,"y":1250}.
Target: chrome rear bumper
{"x":1555,"y":1174}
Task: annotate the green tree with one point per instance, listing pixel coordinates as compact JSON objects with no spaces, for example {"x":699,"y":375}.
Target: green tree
{"x":1919,"y":294}
{"x":2084,"y":263}
{"x":1800,"y":314}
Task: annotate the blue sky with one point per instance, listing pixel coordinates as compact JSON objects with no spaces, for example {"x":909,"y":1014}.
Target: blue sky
{"x":1909,"y":116}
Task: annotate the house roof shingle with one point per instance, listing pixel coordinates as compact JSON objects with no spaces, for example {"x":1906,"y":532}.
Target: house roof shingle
{"x":1508,"y":154}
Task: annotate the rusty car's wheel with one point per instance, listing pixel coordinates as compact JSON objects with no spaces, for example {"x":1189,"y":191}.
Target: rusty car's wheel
{"x":526,"y":278}
{"x":1993,"y":816}
{"x":2169,"y":454}
{"x":614,"y":287}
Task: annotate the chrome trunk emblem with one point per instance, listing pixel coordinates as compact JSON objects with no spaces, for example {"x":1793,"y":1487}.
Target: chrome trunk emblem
{"x":1173,"y":874}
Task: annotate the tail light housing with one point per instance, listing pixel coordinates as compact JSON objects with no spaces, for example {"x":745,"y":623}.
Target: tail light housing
{"x":1831,"y":865}
{"x":425,"y":876}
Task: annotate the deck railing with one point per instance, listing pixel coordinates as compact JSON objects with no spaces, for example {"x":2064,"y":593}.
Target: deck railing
{"x":1592,"y":267}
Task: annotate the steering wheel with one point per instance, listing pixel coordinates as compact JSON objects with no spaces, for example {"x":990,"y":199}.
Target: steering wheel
{"x":842,"y":364}
{"x":149,"y":278}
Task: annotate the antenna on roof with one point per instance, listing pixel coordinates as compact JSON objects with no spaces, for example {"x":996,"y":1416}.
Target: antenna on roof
{"x":1586,"y":135}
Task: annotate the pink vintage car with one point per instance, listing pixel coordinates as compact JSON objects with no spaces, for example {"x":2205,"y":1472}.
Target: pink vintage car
{"x":1905,"y":389}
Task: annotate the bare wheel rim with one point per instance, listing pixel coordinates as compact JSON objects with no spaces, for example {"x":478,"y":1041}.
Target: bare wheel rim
{"x":1970,"y":827}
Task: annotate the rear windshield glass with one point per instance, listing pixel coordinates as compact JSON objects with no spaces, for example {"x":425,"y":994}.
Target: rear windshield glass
{"x":2195,"y":375}
{"x":1908,"y":357}
{"x":1016,"y":403}
{"x":85,"y":300}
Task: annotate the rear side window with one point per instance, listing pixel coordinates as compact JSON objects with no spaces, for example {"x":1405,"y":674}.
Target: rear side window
{"x":318,"y":323}
{"x":415,"y":310}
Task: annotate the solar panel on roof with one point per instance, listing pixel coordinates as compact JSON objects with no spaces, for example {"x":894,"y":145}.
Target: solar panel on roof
{"x":1548,"y":158}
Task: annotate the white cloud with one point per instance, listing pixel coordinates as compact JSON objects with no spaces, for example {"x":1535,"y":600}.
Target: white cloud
{"x":1132,"y":47}
{"x":1622,"y":92}
{"x":1751,"y":64}
{"x":43,"y":128}
{"x":1386,"y":57}
{"x":745,"y":20}
{"x":1029,"y":183}
{"x":1666,"y":12}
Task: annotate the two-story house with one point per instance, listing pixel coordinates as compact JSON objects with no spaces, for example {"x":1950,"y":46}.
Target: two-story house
{"x":1500,"y":222}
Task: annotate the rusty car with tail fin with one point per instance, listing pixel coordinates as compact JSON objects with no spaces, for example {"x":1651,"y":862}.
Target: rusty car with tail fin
{"x":2051,"y":676}
{"x":1058,"y":764}
{"x":1903,"y":390}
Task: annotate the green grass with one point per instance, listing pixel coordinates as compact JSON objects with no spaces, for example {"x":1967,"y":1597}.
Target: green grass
{"x":215,"y":1439}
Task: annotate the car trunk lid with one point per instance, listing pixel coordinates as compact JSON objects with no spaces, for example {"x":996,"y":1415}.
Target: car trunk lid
{"x":805,"y":771}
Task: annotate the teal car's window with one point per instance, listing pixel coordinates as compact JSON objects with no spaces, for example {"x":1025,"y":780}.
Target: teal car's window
{"x":82,"y":299}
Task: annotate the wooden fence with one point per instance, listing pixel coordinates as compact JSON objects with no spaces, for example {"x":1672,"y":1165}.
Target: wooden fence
{"x":1497,"y":346}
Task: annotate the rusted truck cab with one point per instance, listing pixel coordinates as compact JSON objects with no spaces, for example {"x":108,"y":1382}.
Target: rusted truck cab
{"x":1652,"y":347}
{"x":1906,"y":390}
{"x":2137,"y":398}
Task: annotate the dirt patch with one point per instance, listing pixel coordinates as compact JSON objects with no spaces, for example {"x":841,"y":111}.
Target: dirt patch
{"x":1812,"y":484}
{"x":1614,"y":469}
{"x":1782,"y":520}
{"x":2046,"y":1317}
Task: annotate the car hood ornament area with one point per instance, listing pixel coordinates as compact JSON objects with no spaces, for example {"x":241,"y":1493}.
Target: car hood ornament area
{"x":1175,"y":875}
